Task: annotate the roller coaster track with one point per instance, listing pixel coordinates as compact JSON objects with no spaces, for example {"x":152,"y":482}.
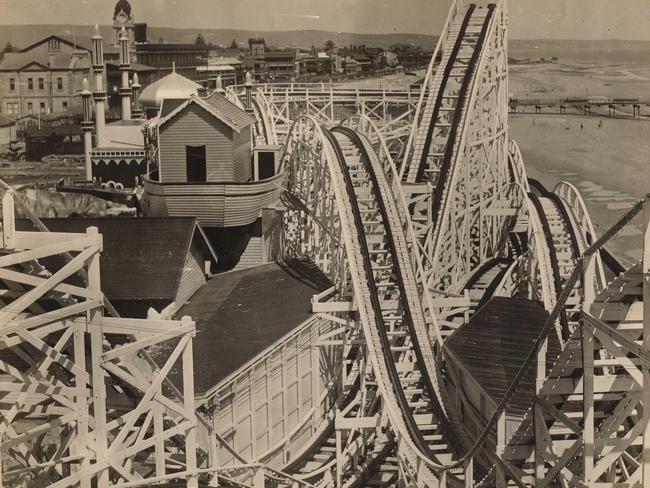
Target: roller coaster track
{"x":357,"y":396}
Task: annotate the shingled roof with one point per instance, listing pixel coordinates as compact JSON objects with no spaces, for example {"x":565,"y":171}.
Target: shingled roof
{"x":494,"y":344}
{"x":142,"y":259}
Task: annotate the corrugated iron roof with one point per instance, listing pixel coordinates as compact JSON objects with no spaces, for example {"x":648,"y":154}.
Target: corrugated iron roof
{"x":142,"y":259}
{"x":21,"y":60}
{"x":495,"y":343}
{"x":218,"y":106}
{"x":237,"y":117}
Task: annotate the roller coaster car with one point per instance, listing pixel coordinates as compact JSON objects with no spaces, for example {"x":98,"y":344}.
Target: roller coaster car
{"x":15,"y":151}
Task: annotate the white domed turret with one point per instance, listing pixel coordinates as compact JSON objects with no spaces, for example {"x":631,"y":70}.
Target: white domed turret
{"x":171,"y":86}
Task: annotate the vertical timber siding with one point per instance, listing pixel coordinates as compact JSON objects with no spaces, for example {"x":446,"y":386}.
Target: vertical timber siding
{"x":194,"y":126}
{"x":271,"y":407}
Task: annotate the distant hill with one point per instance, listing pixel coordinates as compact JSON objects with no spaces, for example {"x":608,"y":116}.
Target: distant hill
{"x":566,"y":50}
{"x":24,"y":35}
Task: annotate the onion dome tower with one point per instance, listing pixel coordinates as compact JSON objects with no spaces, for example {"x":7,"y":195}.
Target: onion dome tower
{"x":173,"y":86}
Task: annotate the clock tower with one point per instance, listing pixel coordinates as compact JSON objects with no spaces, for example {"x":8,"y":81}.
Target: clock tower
{"x":123,"y":18}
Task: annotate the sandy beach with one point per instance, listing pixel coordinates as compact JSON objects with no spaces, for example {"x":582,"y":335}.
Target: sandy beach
{"x":608,"y":164}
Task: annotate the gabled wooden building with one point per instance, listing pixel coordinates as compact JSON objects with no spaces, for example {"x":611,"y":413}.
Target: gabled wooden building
{"x":145,"y":262}
{"x":199,"y":153}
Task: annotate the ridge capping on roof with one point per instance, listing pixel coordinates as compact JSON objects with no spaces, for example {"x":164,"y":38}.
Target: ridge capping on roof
{"x":241,"y":120}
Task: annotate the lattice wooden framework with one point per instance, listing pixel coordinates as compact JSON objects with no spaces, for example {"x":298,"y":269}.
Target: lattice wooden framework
{"x":390,"y":107}
{"x":82,"y":401}
{"x":588,"y":425}
{"x":81,"y":404}
{"x":456,"y":165}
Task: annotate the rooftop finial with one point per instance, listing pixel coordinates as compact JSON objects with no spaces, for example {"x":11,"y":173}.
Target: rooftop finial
{"x":135,"y":80}
{"x":85,"y":87}
{"x":123,"y":34}
{"x":249,"y":78}
{"x":97,"y":33}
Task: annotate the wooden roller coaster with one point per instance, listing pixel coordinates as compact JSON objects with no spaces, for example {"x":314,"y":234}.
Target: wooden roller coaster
{"x":418,"y":209}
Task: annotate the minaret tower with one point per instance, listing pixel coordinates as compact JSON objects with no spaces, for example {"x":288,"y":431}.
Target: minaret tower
{"x":125,"y":90}
{"x":136,"y":112}
{"x":87,"y":126}
{"x":99,"y":94}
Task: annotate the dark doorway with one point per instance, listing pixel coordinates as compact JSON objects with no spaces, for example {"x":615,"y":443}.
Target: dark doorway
{"x":266,"y":162}
{"x":195,"y":164}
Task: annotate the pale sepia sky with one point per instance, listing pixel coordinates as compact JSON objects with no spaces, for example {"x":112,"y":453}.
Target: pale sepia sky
{"x":530,"y":19}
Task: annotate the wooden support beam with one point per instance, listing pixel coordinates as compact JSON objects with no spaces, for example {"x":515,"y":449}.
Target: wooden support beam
{"x":17,"y":306}
{"x":188,"y":399}
{"x":73,"y":245}
{"x":501,"y":481}
{"x":646,"y":342}
{"x":8,"y":220}
{"x":588,"y":403}
{"x":99,"y":385}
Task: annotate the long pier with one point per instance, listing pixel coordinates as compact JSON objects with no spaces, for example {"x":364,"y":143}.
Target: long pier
{"x":583,"y":106}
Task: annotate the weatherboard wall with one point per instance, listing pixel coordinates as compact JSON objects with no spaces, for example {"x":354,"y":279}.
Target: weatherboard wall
{"x":192,"y":277}
{"x":215,"y":205}
{"x":194,"y":126}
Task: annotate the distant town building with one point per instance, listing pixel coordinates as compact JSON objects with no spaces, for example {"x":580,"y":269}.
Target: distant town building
{"x":62,"y":139}
{"x":185,"y":58}
{"x":257,"y":46}
{"x":281,"y":65}
{"x":43,"y":78}
{"x":319,"y":64}
{"x":265,"y":65}
{"x":230,"y":70}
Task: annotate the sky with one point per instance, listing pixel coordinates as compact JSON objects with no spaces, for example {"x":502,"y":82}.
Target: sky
{"x":529,"y":19}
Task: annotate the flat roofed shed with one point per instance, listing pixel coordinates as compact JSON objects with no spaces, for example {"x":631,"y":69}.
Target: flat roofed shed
{"x":240,"y":314}
{"x":493,"y":345}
